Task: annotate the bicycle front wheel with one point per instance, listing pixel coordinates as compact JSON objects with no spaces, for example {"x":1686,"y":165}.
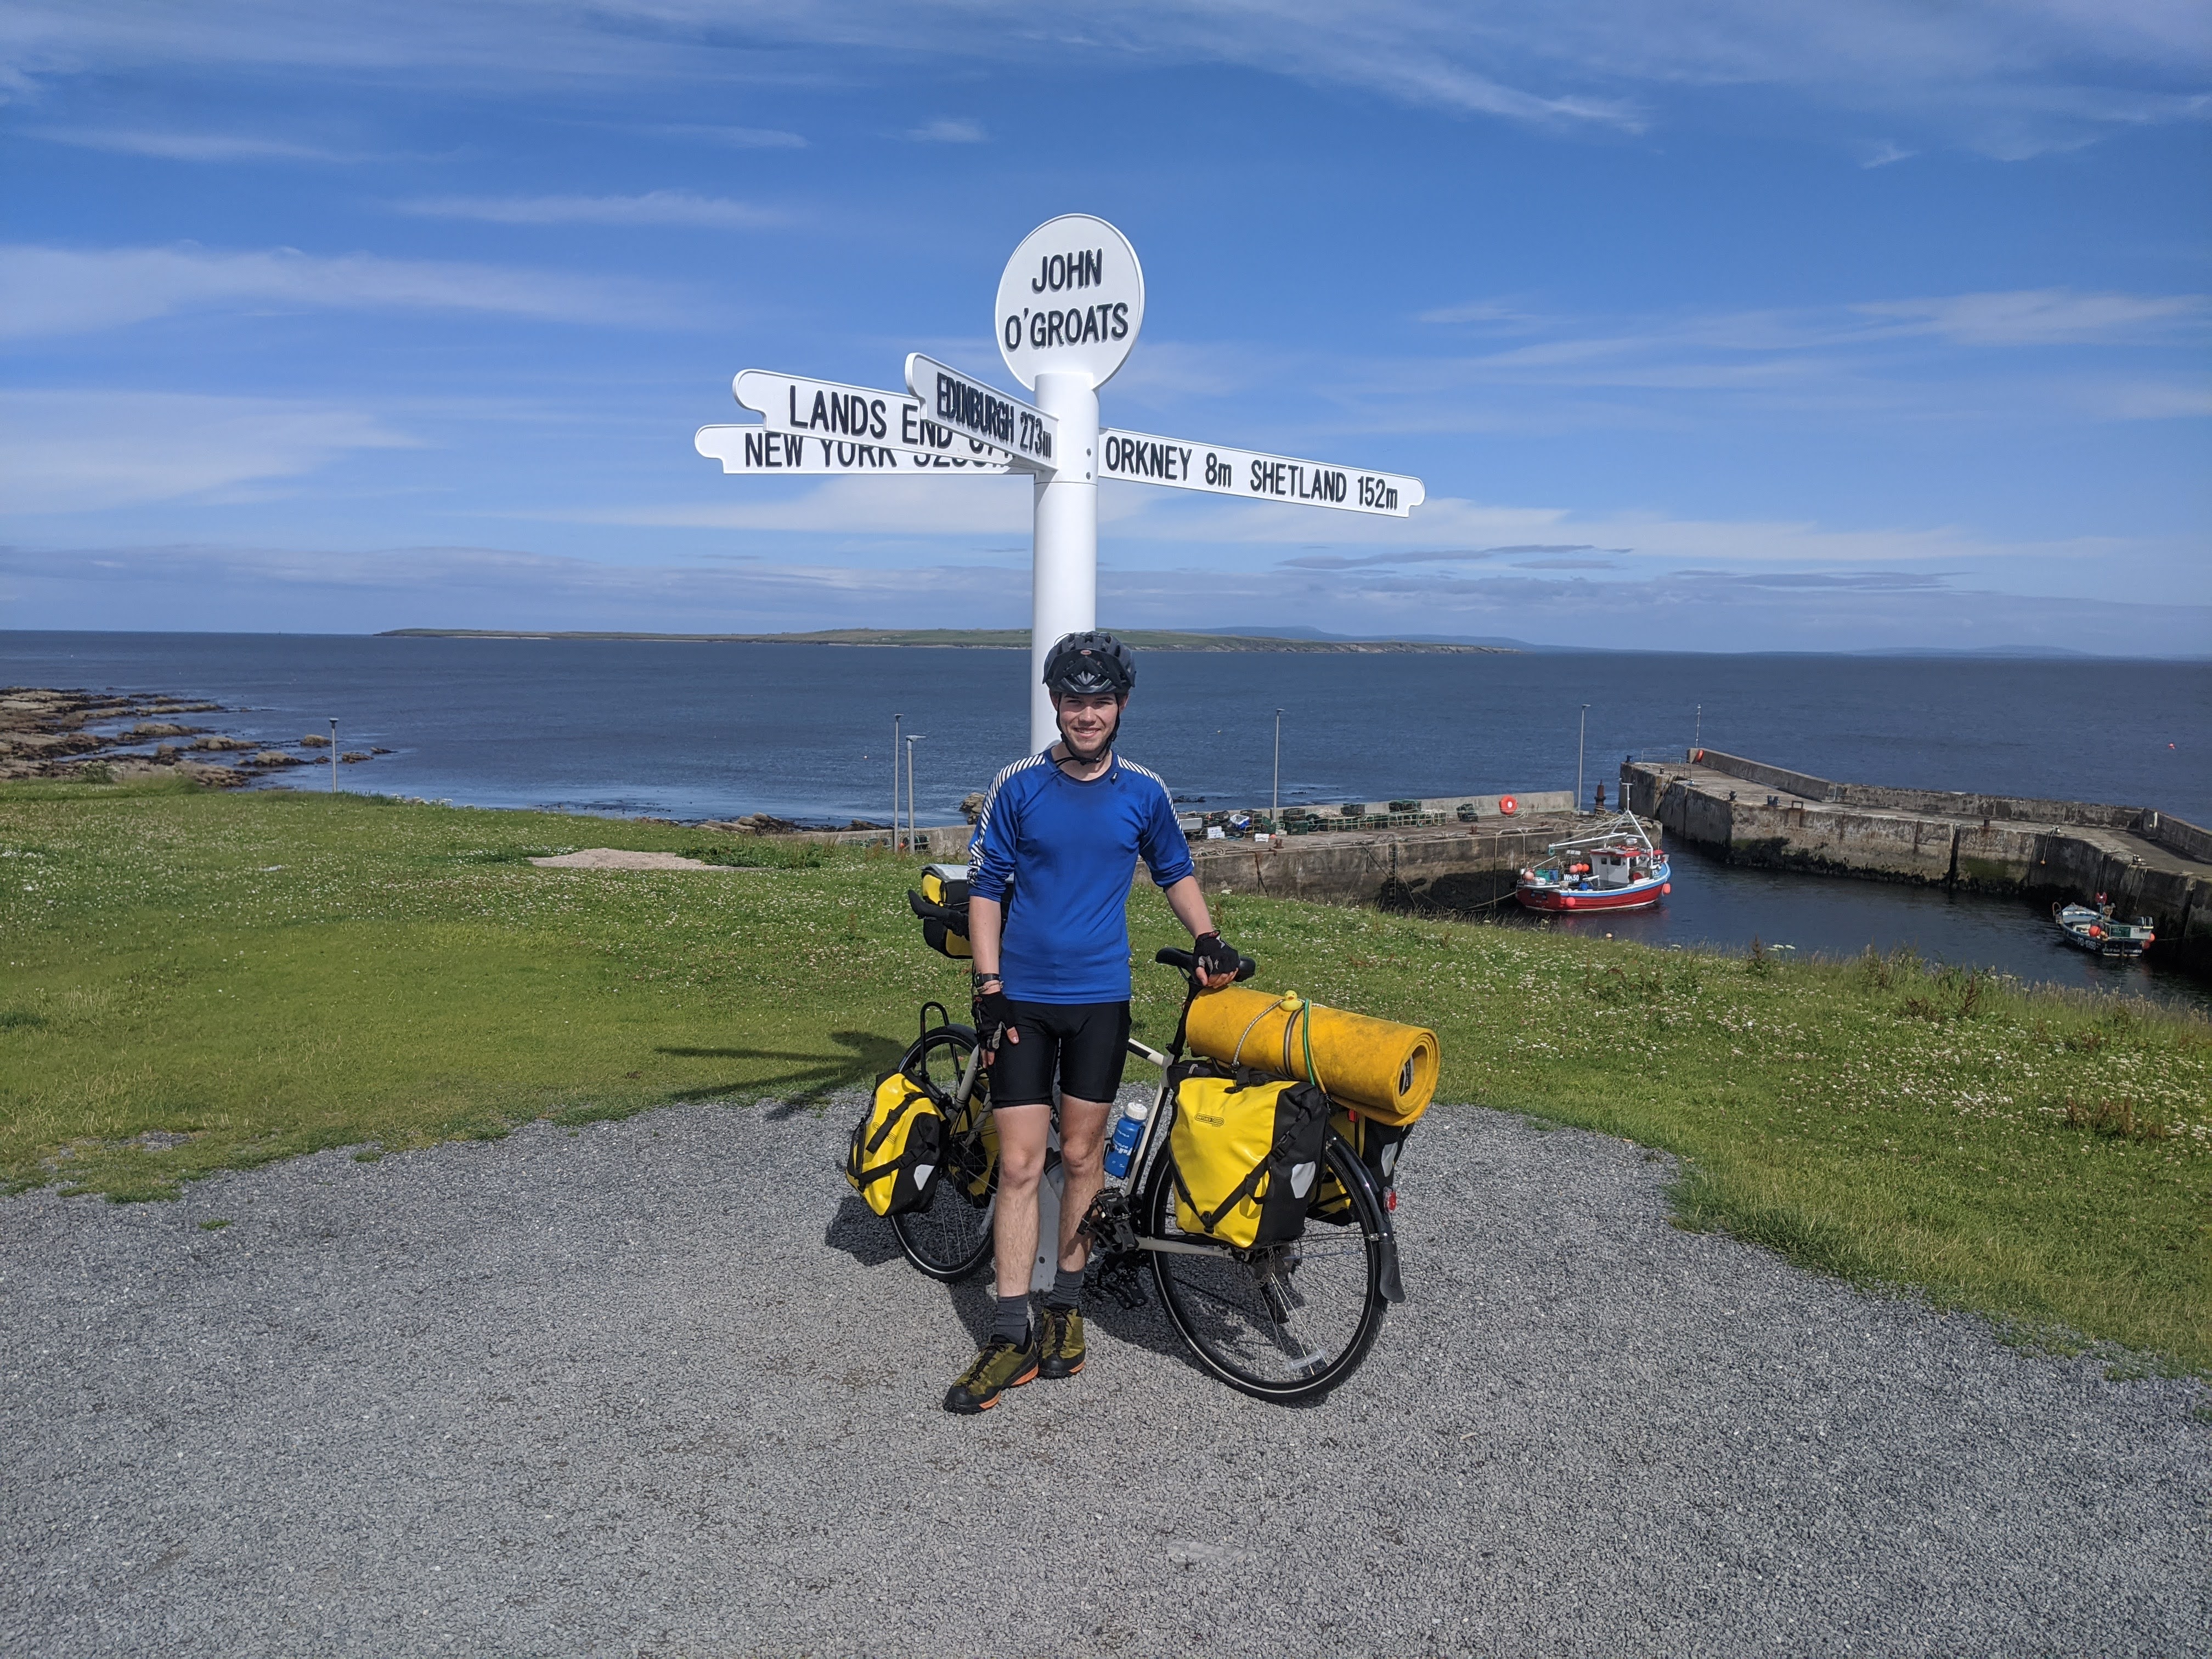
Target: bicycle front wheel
{"x":1284,"y":1321}
{"x":950,"y":1237}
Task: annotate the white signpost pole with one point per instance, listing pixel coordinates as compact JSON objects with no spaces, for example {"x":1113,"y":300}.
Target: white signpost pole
{"x":1064,"y":557}
{"x":1070,"y":301}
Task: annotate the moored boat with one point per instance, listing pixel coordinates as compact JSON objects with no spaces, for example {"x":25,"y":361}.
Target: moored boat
{"x":1615,"y":867}
{"x":2097,"y":930}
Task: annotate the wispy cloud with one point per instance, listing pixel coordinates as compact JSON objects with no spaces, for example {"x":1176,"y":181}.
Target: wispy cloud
{"x":734,"y":138}
{"x":1424,"y":555}
{"x":656,"y":207}
{"x":2052,"y":316}
{"x":80,"y":451}
{"x":948,"y":130}
{"x":175,"y":146}
{"x":50,"y":290}
{"x":2010,"y":78}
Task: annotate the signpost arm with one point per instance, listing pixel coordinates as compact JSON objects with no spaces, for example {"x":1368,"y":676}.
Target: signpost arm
{"x":1064,"y":576}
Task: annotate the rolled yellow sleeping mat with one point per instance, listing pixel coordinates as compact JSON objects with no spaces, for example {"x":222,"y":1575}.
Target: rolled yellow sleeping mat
{"x":1386,"y":1070}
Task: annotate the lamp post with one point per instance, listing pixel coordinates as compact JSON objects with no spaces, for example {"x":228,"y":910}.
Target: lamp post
{"x":912,"y":738}
{"x":895,"y":718}
{"x":1698,"y":733}
{"x":1581,"y":735}
{"x":1275,"y":799}
{"x":334,"y":756}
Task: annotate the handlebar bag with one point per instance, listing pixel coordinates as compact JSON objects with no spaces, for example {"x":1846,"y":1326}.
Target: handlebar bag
{"x":898,"y":1149}
{"x":1245,"y":1152}
{"x":1378,"y":1146}
{"x":942,"y":906}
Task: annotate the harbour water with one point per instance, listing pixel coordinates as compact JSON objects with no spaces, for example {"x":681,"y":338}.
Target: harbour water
{"x":804,"y":732}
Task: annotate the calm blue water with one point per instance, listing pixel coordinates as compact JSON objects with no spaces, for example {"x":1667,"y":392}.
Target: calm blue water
{"x":716,"y":731}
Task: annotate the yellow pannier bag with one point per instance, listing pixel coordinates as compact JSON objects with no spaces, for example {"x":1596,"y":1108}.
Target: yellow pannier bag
{"x":1245,"y":1152}
{"x":898,"y":1148}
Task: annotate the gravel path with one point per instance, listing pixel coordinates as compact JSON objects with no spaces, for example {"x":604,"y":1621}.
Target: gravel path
{"x":662,"y":1387}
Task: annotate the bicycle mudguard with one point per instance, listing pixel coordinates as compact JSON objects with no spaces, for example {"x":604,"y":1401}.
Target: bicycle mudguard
{"x":1392,"y":1287}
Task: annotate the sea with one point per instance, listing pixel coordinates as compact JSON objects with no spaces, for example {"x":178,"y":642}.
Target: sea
{"x":693,"y":730}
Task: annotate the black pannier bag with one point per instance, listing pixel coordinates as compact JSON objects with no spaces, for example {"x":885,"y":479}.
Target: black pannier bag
{"x":1245,"y":1153}
{"x":1378,"y":1146}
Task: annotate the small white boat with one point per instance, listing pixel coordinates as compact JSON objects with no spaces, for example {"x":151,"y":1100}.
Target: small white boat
{"x":2099,"y":932}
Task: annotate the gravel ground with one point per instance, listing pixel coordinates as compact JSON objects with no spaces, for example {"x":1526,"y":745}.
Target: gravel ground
{"x":662,"y":1387}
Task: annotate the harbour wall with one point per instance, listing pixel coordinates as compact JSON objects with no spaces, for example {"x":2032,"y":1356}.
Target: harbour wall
{"x":2146,"y":862}
{"x":1409,"y":855}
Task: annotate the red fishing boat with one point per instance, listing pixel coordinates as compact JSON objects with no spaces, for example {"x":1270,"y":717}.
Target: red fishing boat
{"x":1615,"y":867}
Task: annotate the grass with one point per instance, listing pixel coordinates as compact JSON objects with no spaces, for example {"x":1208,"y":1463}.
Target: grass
{"x":193,"y":981}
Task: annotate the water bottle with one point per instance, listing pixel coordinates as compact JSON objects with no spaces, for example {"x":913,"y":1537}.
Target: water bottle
{"x":1128,"y":1130}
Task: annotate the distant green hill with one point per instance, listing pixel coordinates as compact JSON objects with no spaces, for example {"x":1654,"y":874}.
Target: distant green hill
{"x":979,"y":639}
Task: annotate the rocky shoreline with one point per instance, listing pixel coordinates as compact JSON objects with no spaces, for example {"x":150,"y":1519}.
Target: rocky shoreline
{"x":48,"y":732}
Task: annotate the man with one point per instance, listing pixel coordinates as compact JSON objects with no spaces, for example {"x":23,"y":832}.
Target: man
{"x":1063,"y":830}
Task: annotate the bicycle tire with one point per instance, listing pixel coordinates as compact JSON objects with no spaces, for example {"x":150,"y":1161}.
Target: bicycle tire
{"x":1242,"y":1316}
{"x":950,"y":1237}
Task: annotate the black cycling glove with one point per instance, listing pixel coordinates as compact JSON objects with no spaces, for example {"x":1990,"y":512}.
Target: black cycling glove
{"x":1215,"y":955}
{"x":994,"y":1011}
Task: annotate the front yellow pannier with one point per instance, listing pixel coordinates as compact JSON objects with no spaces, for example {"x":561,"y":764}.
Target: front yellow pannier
{"x":898,"y":1148}
{"x":1246,"y":1151}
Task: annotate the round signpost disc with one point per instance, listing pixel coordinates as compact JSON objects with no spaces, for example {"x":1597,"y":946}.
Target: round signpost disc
{"x":1070,"y":301}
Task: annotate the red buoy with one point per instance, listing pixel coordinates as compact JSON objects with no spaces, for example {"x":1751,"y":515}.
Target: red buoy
{"x":1507,"y":806}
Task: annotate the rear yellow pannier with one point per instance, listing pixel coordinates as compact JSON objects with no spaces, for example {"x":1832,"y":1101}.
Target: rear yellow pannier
{"x":898,"y":1148}
{"x":1386,"y":1070}
{"x":1246,"y":1150}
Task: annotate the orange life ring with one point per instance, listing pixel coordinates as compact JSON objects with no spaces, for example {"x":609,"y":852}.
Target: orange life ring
{"x":1507,"y":806}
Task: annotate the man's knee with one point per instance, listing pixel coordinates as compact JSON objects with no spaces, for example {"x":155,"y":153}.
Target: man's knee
{"x":1020,"y":1168}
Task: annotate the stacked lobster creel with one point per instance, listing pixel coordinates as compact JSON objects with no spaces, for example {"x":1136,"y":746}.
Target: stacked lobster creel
{"x":1378,"y":1076}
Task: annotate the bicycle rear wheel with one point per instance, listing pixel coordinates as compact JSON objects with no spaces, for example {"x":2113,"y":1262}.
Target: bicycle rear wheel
{"x":1284,"y":1321}
{"x":950,"y":1237}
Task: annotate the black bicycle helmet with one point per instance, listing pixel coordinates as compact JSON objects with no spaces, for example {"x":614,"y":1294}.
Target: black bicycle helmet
{"x":1090,"y":664}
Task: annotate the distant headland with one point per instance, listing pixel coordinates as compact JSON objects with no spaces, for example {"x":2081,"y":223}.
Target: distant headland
{"x":975,"y":639}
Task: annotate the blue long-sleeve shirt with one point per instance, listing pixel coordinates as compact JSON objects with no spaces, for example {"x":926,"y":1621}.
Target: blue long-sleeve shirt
{"x":1068,"y":850}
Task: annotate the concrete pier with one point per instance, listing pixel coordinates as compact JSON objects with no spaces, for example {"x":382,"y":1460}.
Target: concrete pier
{"x":1455,"y":853}
{"x":2146,"y":862}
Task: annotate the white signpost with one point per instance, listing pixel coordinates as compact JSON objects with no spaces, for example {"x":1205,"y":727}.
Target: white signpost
{"x":1070,"y":301}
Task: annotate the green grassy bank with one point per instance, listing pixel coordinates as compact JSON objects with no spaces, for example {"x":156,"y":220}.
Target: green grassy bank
{"x":192,"y":981}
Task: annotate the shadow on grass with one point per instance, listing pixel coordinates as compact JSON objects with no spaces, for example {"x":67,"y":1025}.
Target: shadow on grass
{"x":814,"y":1077}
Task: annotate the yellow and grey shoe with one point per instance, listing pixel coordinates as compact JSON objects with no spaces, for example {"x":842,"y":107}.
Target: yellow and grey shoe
{"x":1001,"y":1365}
{"x":1063,"y":1342}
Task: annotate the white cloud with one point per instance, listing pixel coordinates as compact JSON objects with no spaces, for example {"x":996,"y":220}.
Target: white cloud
{"x":657,"y":207}
{"x":51,"y":290}
{"x":947,"y":130}
{"x":2011,"y":78}
{"x":2054,"y":316}
{"x":74,"y":451}
{"x":734,"y":138}
{"x":170,"y":146}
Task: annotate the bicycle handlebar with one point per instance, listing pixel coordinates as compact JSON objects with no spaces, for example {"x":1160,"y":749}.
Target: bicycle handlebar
{"x":1187,"y":961}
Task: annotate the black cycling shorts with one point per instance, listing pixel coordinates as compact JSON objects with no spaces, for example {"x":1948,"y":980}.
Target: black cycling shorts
{"x":1083,"y":1044}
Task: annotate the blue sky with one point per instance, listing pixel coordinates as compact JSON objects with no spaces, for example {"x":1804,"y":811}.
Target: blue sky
{"x":1734,"y":325}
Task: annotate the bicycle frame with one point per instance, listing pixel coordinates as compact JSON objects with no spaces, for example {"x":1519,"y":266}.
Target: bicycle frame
{"x":1146,"y":1153}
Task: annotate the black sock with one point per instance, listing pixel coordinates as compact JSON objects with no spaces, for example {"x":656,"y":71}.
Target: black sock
{"x":1012,"y":1321}
{"x":1066,"y":1295}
